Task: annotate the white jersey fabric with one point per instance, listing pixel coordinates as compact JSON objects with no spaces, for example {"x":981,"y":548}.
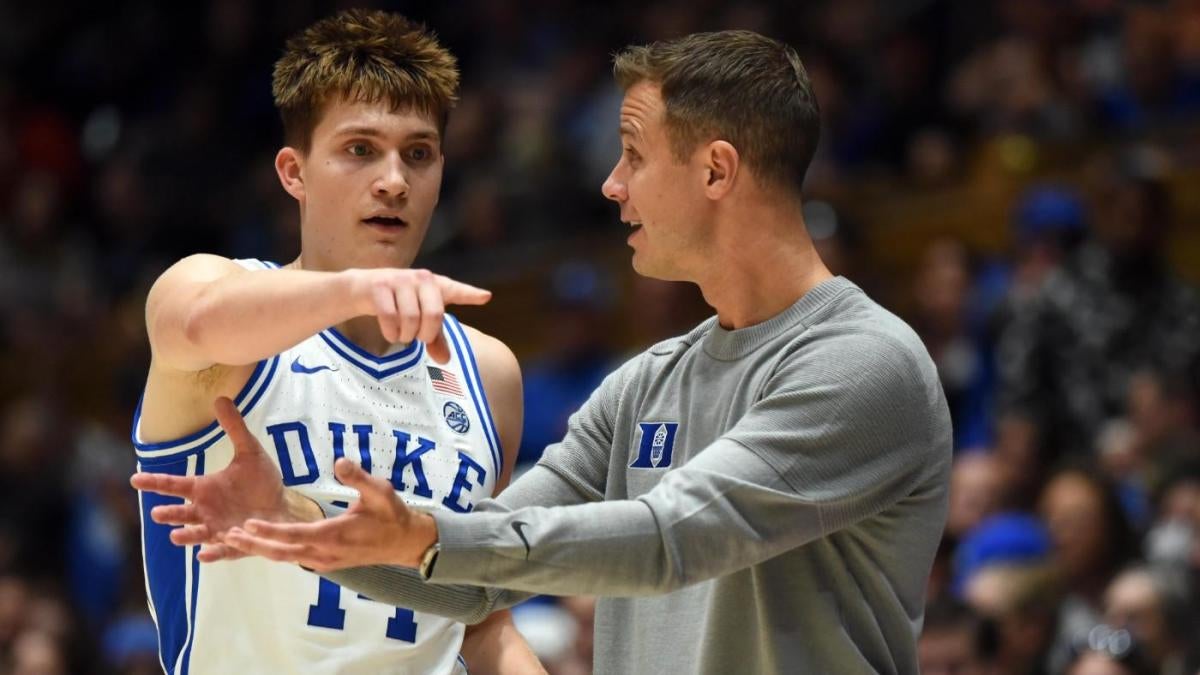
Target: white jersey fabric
{"x":422,"y":425}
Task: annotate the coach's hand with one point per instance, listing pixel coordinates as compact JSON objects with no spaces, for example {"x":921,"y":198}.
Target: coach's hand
{"x":250,"y":487}
{"x":377,"y":529}
{"x":410,"y":304}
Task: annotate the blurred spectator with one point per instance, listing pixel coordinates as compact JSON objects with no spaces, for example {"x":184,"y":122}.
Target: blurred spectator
{"x":1114,"y":308}
{"x":1108,"y":651}
{"x":130,"y":645}
{"x":1019,"y":602}
{"x":1092,"y":541}
{"x":941,"y":291}
{"x":1163,"y":420}
{"x":32,"y":454}
{"x":1021,"y":458}
{"x":976,"y":492}
{"x":580,"y":300}
{"x":951,"y":641}
{"x":37,"y":653}
{"x":1004,"y":540}
{"x":1152,"y":604}
{"x":1048,"y":223}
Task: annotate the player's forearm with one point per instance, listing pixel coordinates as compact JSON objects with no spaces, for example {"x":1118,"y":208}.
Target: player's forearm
{"x":243,"y":318}
{"x":495,"y":647}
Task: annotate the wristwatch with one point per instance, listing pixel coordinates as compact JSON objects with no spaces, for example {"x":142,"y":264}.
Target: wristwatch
{"x":429,"y":559}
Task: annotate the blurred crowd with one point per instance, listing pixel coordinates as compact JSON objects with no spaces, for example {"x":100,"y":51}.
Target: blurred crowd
{"x":136,"y":132}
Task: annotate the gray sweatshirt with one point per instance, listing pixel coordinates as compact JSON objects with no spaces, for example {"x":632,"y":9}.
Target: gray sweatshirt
{"x":765,"y":500}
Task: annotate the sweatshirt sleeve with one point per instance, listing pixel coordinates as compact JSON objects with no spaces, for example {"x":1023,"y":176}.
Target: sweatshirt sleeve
{"x":572,"y":472}
{"x":470,"y":604}
{"x":839,"y":434}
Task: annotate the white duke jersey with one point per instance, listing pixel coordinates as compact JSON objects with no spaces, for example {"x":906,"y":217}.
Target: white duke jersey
{"x":422,"y":425}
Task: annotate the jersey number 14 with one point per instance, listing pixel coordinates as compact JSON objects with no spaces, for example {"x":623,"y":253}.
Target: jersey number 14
{"x":328,"y":613}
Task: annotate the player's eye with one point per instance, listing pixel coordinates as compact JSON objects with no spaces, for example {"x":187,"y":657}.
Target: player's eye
{"x":359,"y":150}
{"x":420,"y":153}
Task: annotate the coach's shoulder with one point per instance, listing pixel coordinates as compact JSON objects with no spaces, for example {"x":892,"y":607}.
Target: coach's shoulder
{"x":859,"y":325}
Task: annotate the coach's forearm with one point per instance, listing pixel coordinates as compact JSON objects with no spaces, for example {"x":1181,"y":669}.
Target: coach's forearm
{"x":243,"y":318}
{"x":404,"y":587}
{"x":725,"y":511}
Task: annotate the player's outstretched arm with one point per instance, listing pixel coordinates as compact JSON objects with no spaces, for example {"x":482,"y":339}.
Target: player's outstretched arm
{"x":250,"y":487}
{"x":207,"y":310}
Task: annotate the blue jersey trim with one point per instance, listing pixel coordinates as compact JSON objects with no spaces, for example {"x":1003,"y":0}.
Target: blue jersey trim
{"x":395,"y":363}
{"x":195,"y":562}
{"x":166,"y":577}
{"x":471,"y":370}
{"x":152,"y":454}
{"x":344,"y":341}
{"x":266,"y":264}
{"x":258,"y":368}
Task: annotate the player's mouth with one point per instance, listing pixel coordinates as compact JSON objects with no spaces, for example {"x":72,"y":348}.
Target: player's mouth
{"x":385,"y":223}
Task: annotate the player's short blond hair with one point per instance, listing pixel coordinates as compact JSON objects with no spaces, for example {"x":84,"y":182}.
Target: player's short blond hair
{"x":737,"y":86}
{"x":362,"y":55}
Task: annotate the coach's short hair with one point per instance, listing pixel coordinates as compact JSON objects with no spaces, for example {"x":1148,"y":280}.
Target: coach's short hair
{"x":737,"y":86}
{"x":362,"y":55}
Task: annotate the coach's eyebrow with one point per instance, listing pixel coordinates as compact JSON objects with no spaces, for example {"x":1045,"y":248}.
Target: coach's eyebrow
{"x":627,"y":129}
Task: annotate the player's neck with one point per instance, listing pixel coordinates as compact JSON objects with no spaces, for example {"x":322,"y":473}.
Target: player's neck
{"x":364,"y":332}
{"x":761,"y":267}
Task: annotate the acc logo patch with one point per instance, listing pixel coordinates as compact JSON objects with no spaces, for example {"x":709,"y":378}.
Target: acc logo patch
{"x":657,"y":446}
{"x":456,"y":417}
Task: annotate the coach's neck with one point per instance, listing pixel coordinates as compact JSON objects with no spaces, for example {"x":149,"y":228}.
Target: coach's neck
{"x":762,"y":260}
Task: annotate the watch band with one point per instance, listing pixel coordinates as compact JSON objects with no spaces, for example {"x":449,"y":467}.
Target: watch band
{"x":429,"y":559}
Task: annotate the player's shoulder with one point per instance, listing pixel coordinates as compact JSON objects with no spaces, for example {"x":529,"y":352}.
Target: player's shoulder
{"x":493,"y":357}
{"x":211,"y":264}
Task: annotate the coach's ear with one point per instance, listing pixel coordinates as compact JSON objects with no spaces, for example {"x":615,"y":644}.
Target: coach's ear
{"x":721,"y":163}
{"x":288,"y":166}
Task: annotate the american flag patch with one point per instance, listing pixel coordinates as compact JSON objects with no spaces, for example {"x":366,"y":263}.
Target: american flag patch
{"x":444,"y":381}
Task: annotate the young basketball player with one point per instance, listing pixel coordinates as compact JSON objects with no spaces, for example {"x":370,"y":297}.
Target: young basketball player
{"x":330,"y":356}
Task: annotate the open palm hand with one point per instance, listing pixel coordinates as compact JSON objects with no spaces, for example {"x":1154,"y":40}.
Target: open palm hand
{"x":250,"y":487}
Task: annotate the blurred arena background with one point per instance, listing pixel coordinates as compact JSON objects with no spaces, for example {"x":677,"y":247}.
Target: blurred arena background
{"x":1018,"y":179}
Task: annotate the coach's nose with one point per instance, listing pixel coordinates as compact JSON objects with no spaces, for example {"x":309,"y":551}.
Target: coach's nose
{"x":614,"y":187}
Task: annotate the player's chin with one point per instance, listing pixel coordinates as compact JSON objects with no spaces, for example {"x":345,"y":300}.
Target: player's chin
{"x":388,"y":252}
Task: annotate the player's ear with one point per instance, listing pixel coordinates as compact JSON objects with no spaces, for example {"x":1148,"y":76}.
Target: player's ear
{"x":721,"y":164}
{"x":289,"y":164}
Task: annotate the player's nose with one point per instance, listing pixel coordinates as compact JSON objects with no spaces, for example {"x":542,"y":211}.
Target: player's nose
{"x":392,"y":181}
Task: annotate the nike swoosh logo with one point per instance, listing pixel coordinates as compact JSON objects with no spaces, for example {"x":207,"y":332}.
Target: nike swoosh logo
{"x":298,"y":367}
{"x":516,"y":526}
